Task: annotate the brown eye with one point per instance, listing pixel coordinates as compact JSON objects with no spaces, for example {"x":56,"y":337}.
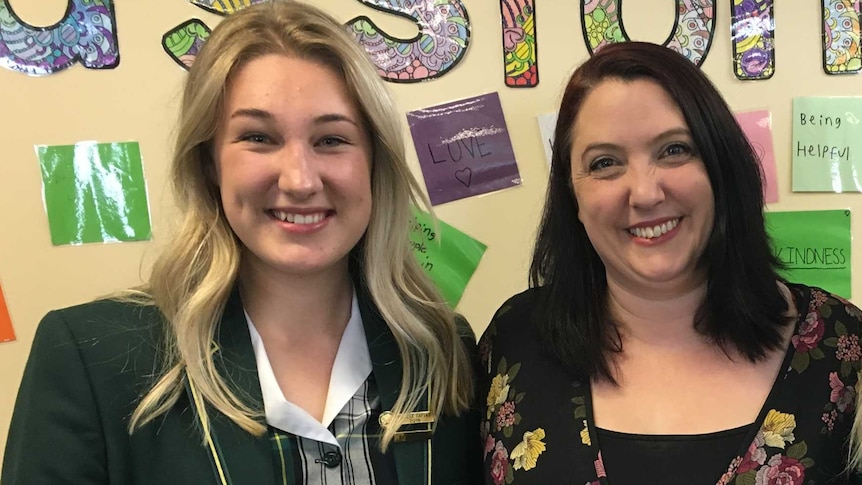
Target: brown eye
{"x":331,"y":141}
{"x":676,"y":149}
{"x":256,"y":138}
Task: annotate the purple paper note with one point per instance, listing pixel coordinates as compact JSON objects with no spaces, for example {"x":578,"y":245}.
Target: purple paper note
{"x":464,"y":148}
{"x":757,"y":126}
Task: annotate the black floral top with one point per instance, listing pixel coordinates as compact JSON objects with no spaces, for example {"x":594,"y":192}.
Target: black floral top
{"x":538,"y":425}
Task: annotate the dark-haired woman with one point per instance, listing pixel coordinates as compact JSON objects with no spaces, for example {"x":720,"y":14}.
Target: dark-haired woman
{"x":658,"y":344}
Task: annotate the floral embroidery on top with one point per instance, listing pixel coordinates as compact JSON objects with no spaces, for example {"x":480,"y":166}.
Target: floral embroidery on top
{"x":810,"y":333}
{"x":843,"y":396}
{"x":506,"y":415}
{"x":848,"y":348}
{"x":755,"y":457}
{"x":501,"y":472}
{"x":818,"y":298}
{"x":600,"y":466}
{"x":502,"y":399}
{"x":842,"y":400}
{"x":498,"y":392}
{"x":502,"y":416}
{"x":585,"y":435}
{"x":780,"y":470}
{"x":527,"y":452}
{"x":801,"y":439}
{"x":730,"y":473}
{"x":486,"y":436}
{"x":806,"y":342}
{"x":778,"y":428}
{"x":785,"y":466}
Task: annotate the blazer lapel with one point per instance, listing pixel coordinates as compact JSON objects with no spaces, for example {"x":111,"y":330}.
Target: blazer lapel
{"x":412,"y":458}
{"x":247,"y":459}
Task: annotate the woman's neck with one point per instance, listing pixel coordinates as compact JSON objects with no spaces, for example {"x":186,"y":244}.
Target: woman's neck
{"x":281,"y":304}
{"x":665,"y":320}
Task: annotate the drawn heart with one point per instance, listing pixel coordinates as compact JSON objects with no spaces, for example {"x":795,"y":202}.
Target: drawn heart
{"x":464,"y":176}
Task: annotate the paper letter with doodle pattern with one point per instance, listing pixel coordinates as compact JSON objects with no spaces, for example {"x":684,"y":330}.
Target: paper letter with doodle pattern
{"x":224,"y":7}
{"x":184,"y":41}
{"x":442,"y":41}
{"x":464,"y":148}
{"x":519,"y":43}
{"x":753,"y":39}
{"x":87,"y":33}
{"x":841,"y":53}
{"x":602,"y":24}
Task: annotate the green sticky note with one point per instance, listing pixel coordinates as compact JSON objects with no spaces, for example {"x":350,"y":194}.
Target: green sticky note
{"x":827,"y":144}
{"x":814,"y":246}
{"x":449,"y":256}
{"x":94,"y":192}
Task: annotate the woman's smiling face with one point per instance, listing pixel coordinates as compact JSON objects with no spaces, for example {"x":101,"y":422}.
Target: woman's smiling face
{"x":643,"y":193}
{"x":293,"y":162}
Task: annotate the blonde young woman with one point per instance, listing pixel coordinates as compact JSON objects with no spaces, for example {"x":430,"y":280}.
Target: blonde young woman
{"x":855,"y":459}
{"x":286,"y":334}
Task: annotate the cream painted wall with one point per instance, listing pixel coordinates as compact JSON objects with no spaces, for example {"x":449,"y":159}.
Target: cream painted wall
{"x":138,"y":101}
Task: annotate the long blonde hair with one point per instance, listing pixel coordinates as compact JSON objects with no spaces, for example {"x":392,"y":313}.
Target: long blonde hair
{"x":854,"y":462}
{"x":194,"y":276}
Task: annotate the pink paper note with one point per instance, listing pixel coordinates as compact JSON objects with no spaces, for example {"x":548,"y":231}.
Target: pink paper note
{"x":757,"y":126}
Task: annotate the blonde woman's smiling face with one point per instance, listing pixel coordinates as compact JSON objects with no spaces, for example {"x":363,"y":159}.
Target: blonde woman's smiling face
{"x":293,"y":162}
{"x":643,"y":193}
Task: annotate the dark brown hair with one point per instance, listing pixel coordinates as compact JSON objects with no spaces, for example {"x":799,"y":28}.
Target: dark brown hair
{"x":743,"y":305}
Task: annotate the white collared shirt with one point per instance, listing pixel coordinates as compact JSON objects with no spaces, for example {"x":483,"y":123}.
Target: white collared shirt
{"x":350,"y":370}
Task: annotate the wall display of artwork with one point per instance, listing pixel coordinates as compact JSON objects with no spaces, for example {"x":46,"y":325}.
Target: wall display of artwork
{"x":691,"y":35}
{"x":87,"y":34}
{"x":520,"y":48}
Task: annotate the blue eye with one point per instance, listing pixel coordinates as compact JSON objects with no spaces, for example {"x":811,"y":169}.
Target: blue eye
{"x":602,"y":163}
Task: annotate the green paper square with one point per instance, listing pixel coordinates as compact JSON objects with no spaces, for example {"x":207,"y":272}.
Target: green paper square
{"x":450,"y":257}
{"x":94,"y":192}
{"x":827,"y":144}
{"x":815,"y":247}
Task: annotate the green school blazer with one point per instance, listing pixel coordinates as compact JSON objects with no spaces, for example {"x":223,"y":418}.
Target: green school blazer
{"x":90,"y":364}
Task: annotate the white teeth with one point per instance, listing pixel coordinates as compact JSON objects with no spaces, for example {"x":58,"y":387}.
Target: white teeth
{"x":299,"y":218}
{"x":655,"y":231}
